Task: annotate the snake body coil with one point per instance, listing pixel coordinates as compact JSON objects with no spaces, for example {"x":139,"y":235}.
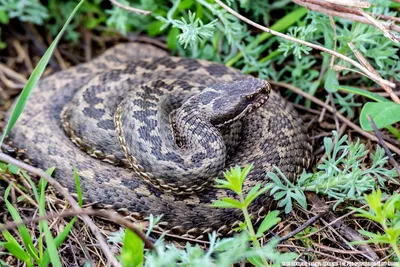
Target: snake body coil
{"x":153,"y":132}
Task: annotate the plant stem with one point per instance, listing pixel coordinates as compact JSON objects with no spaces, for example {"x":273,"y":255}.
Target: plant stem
{"x":396,"y":249}
{"x":250,"y":229}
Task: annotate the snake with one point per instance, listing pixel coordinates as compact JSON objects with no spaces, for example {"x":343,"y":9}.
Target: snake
{"x":149,"y":133}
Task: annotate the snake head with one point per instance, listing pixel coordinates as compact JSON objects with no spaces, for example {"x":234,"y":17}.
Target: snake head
{"x":236,"y":99}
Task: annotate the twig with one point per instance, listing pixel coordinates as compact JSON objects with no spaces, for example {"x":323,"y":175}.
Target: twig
{"x":354,"y":3}
{"x":98,"y":213}
{"x":383,"y":144}
{"x":315,"y":46}
{"x":341,"y":11}
{"x":20,"y":191}
{"x":339,"y":225}
{"x":69,"y":198}
{"x":12,"y":74}
{"x":341,"y":251}
{"x":344,"y":9}
{"x":366,"y":64}
{"x":303,"y":226}
{"x":380,"y":26}
{"x":131,"y":9}
{"x":339,"y":115}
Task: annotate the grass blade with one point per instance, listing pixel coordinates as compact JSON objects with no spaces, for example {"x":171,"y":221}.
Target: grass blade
{"x":35,"y":76}
{"x":78,"y":187}
{"x":23,"y":231}
{"x":365,"y":93}
{"x":58,"y":241}
{"x":50,"y":244}
{"x":132,"y":253}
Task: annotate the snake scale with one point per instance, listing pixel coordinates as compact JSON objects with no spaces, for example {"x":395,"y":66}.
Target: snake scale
{"x":148,"y":133}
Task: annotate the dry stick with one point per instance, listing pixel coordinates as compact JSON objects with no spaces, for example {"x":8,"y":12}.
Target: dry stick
{"x":12,"y":74}
{"x":69,"y":198}
{"x":131,"y":9}
{"x":382,"y":143}
{"x":340,"y":11}
{"x":340,"y":68}
{"x":339,"y":115}
{"x":366,"y":64}
{"x":344,"y":9}
{"x":98,"y":213}
{"x":354,"y":3}
{"x":343,"y":231}
{"x":380,"y":26}
{"x":318,"y":47}
{"x":302,"y":227}
{"x":341,"y":251}
{"x":20,"y":191}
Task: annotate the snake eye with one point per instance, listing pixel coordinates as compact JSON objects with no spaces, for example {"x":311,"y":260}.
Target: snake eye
{"x":250,"y":97}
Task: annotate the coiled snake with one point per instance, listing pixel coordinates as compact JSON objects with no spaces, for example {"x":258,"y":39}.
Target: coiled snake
{"x":153,"y":132}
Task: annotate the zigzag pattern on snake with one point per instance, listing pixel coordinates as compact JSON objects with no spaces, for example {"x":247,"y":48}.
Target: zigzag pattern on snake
{"x":178,"y":127}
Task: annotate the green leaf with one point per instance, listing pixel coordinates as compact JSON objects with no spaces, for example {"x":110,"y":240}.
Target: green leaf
{"x":51,"y":246}
{"x":245,"y":172}
{"x":17,"y":251}
{"x":228,"y":203}
{"x":185,"y":4}
{"x":254,"y":193}
{"x":58,"y":241}
{"x":4,"y":19}
{"x":270,"y":220}
{"x":154,"y":28}
{"x":383,"y":114}
{"x":256,"y":261}
{"x":362,"y":92}
{"x":172,"y":38}
{"x":300,"y":198}
{"x":23,"y":231}
{"x":13,"y":169}
{"x":78,"y":187}
{"x":35,"y":76}
{"x":331,"y":81}
{"x":132,"y":252}
{"x":32,"y":184}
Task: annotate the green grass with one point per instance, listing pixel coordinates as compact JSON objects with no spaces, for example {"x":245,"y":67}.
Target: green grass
{"x":22,"y":245}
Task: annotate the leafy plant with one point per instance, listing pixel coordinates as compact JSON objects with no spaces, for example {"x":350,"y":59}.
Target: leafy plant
{"x":193,"y":31}
{"x":343,"y":175}
{"x":387,"y":214}
{"x":301,"y":33}
{"x":25,"y":10}
{"x":220,"y":252}
{"x":234,"y":179}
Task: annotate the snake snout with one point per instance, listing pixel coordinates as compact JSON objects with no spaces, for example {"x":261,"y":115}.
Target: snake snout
{"x":238,"y":98}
